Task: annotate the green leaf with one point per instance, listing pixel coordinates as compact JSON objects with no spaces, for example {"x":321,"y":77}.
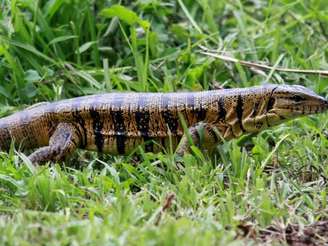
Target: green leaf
{"x":125,"y":15}
{"x":85,"y":47}
{"x":32,"y":76}
{"x":61,"y":39}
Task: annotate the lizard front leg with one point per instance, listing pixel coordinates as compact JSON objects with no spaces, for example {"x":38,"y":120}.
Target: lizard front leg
{"x":64,"y":141}
{"x":203,"y":135}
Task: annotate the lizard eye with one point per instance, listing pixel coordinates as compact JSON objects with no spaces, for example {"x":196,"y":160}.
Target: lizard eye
{"x":298,"y":98}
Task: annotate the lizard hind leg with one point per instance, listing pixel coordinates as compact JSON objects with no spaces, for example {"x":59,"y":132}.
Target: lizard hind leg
{"x":63,"y":142}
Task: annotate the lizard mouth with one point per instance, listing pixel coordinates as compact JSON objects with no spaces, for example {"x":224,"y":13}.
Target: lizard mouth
{"x":314,"y":108}
{"x":320,"y":107}
{"x":309,"y":108}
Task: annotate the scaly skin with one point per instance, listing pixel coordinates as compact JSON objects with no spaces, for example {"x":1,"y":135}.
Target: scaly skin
{"x":117,"y":123}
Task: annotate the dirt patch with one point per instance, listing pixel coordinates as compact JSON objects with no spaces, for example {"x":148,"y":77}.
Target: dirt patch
{"x":296,"y":235}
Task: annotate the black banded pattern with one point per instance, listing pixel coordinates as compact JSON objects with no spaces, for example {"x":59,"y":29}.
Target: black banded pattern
{"x":142,"y":117}
{"x":79,"y":120}
{"x":119,"y":126}
{"x":239,"y":111}
{"x":200,"y":114}
{"x":222,"y":110}
{"x":271,"y":101}
{"x":170,"y":119}
{"x":97,"y":125}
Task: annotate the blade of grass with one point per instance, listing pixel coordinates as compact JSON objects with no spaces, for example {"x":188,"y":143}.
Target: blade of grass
{"x":265,"y":67}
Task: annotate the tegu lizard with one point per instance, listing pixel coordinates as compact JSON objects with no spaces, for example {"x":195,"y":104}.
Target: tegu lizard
{"x":117,"y":123}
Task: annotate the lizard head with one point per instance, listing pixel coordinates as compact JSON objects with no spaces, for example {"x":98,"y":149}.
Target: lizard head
{"x":290,"y":101}
{"x":274,"y":104}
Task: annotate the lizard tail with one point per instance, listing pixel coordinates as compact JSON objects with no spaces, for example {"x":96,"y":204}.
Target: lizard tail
{"x":24,"y":130}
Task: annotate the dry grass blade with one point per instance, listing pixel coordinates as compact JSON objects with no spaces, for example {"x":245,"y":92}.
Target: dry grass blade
{"x":167,"y":204}
{"x":263,"y":66}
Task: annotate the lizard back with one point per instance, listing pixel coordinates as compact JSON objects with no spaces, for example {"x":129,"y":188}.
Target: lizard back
{"x":119,"y":122}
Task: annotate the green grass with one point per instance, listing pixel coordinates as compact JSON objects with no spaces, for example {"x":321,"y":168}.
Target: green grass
{"x":51,"y":50}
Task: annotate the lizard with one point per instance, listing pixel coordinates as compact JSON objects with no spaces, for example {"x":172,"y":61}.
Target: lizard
{"x":117,"y":123}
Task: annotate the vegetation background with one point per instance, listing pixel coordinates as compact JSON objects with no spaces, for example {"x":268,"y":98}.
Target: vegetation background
{"x":57,"y":49}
